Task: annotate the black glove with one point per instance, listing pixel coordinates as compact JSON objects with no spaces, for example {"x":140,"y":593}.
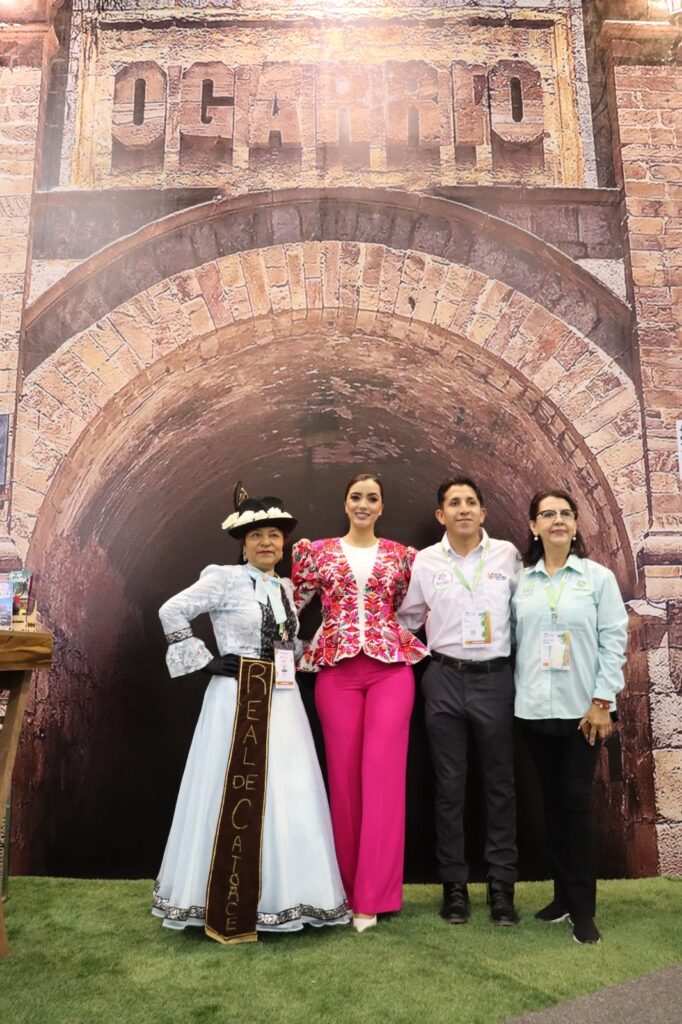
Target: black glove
{"x":227,"y":665}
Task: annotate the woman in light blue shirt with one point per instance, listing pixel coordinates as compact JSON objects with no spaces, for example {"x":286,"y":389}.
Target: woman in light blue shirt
{"x":571,"y":632}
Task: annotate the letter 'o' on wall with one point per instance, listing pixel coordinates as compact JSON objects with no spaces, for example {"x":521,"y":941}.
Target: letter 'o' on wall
{"x":516,"y":102}
{"x":139,"y":115}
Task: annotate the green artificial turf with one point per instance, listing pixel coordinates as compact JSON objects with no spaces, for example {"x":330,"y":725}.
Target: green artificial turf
{"x":89,"y":952}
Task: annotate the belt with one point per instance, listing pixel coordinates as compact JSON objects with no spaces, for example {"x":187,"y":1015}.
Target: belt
{"x":492,"y":665}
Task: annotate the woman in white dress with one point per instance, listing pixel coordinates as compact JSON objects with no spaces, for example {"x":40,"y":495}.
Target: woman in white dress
{"x":250,"y":609}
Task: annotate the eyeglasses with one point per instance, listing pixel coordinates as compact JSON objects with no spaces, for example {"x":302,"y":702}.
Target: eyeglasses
{"x":552,"y":513}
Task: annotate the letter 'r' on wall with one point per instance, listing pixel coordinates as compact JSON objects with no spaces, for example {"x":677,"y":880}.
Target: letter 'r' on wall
{"x":139,"y":117}
{"x":413,"y":128}
{"x":350,"y":115}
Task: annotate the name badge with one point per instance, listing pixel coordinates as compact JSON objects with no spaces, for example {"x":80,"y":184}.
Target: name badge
{"x":442,"y":579}
{"x":476,"y":628}
{"x":285,"y":666}
{"x":555,"y":650}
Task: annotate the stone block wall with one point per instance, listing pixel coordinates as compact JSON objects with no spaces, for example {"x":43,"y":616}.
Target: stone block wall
{"x":20,"y":94}
{"x":649,"y":104}
{"x":24,"y":49}
{"x":646,"y":98}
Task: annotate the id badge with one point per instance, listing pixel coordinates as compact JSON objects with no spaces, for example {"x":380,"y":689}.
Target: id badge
{"x":555,"y":650}
{"x":476,"y":628}
{"x":285,"y":666}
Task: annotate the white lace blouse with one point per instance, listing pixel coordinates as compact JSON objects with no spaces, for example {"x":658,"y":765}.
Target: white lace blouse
{"x":226,"y":592}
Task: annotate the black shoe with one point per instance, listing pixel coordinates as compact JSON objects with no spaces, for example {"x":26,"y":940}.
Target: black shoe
{"x":553,"y":913}
{"x":455,"y":909}
{"x":585,"y":931}
{"x":501,"y":901}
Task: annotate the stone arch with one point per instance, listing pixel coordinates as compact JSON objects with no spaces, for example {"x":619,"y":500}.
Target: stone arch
{"x":399,"y":220}
{"x":307,"y":356}
{"x":557,"y":371}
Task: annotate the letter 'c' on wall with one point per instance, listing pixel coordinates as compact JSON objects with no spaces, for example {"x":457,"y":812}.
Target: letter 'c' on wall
{"x":139,"y":115}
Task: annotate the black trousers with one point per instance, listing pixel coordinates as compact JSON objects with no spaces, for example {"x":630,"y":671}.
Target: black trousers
{"x":453,"y":700}
{"x":566,"y":767}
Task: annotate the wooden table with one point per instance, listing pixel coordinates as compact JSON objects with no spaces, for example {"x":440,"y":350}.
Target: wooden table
{"x":20,"y":653}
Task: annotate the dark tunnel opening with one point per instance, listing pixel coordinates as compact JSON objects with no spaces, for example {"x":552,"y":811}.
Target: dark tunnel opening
{"x":138,"y":514}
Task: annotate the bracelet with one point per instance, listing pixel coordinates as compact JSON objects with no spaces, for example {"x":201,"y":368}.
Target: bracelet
{"x":603,"y":704}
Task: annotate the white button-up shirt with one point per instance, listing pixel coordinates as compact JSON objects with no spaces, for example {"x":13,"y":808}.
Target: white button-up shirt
{"x":438,"y":598}
{"x":592,"y":609}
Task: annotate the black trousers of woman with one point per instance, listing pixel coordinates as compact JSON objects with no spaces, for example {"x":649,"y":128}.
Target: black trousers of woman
{"x":565,"y":763}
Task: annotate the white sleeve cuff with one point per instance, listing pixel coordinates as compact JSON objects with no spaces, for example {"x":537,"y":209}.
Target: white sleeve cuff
{"x":187,"y":656}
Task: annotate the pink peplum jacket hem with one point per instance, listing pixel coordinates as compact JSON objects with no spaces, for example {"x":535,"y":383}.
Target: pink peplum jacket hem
{"x":320,"y":567}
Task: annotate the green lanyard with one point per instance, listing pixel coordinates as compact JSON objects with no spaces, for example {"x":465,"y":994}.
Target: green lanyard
{"x":471,"y":587}
{"x":554,"y":596}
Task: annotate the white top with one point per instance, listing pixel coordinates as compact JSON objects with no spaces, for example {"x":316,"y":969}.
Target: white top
{"x":438,"y":598}
{"x":361,"y":561}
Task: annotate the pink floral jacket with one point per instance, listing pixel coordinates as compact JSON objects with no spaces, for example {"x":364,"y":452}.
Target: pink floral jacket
{"x":321,"y":567}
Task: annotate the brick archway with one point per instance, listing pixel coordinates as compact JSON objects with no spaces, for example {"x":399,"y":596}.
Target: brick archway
{"x":292,"y":362}
{"x":436,"y":226}
{"x":560,"y":376}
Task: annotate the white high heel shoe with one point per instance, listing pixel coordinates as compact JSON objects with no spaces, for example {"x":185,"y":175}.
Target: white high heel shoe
{"x":361,"y":924}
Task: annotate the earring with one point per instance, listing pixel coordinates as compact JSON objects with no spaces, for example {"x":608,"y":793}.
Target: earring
{"x":535,"y":537}
{"x":573,"y":538}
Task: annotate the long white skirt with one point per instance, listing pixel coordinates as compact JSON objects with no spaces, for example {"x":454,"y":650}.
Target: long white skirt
{"x":300,"y":881}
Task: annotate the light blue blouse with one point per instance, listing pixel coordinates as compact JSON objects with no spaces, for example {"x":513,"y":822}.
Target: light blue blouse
{"x":592,"y":609}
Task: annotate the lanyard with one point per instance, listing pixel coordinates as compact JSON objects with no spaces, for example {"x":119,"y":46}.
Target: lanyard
{"x":471,"y":587}
{"x":554,"y":596}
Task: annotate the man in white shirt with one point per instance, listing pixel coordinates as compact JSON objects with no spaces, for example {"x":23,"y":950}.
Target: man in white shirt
{"x":461,"y":588}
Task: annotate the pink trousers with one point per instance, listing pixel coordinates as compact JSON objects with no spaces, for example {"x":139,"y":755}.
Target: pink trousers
{"x":364,"y":707}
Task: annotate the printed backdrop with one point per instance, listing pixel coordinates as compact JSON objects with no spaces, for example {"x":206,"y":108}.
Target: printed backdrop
{"x":290,"y":243}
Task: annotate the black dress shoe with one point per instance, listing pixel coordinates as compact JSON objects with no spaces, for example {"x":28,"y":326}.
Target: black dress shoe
{"x":455,"y":909}
{"x":501,"y":900}
{"x":585,"y":931}
{"x":553,"y":912}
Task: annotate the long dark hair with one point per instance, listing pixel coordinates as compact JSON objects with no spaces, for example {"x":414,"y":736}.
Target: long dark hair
{"x":534,"y":549}
{"x":360,"y":478}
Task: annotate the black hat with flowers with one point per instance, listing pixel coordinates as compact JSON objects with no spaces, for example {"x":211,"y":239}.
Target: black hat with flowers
{"x":251,"y":513}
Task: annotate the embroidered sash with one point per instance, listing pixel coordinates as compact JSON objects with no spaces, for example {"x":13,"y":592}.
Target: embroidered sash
{"x":234,"y":879}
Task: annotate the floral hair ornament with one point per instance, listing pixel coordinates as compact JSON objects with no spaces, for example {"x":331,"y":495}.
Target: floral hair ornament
{"x":254,"y":512}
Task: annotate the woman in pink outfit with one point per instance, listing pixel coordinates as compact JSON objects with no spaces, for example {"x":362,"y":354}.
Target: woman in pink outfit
{"x":364,"y":694}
